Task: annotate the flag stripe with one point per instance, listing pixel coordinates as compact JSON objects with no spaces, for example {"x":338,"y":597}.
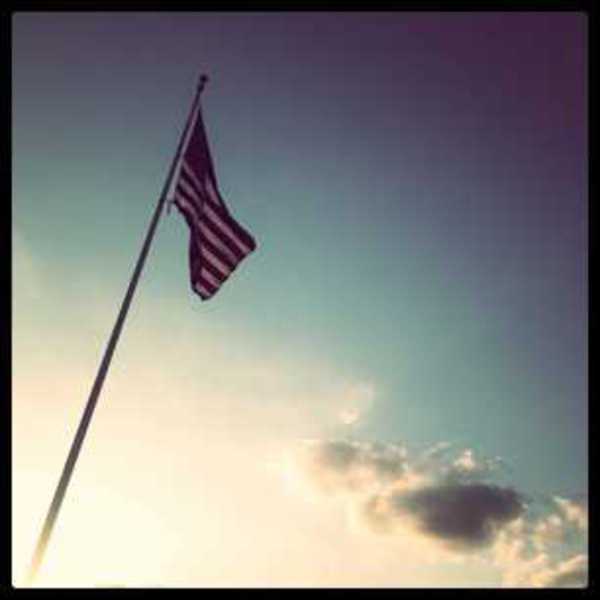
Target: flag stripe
{"x":231,"y":244}
{"x":203,"y":291}
{"x":184,"y":203}
{"x":212,"y":255}
{"x":188,"y":134}
{"x":192,"y":187}
{"x":187,"y":171}
{"x":226,"y":227}
{"x":180,"y":193}
{"x":184,"y":187}
{"x":219,"y":216}
{"x":223,"y":244}
{"x":212,"y":263}
{"x":212,"y":258}
{"x":194,"y":252}
{"x":214,"y":195}
{"x":186,"y":210}
{"x":214,"y":250}
{"x":201,"y":260}
{"x":220,"y":208}
{"x":201,"y":257}
{"x":208,"y":276}
{"x":197,"y":185}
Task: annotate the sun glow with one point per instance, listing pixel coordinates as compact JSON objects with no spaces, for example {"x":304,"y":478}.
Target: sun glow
{"x":103,"y":537}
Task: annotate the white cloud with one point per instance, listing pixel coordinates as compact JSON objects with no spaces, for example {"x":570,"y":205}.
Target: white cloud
{"x":350,"y":416}
{"x":465,"y":461}
{"x":576,"y":513}
{"x":572,"y":572}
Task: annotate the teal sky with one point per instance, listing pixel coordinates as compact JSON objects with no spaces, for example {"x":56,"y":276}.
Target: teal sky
{"x":416,"y":184}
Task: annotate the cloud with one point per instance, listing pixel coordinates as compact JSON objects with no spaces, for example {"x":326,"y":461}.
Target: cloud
{"x":547,"y":550}
{"x":446,"y":502}
{"x":574,"y":511}
{"x":462,"y":515}
{"x":352,"y":466}
{"x":466,"y":461}
{"x":543,"y":552}
{"x":548,"y":530}
{"x":570,"y":573}
{"x":349,"y":416}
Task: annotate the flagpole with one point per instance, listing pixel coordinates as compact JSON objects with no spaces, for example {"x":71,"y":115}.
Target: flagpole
{"x":65,"y":477}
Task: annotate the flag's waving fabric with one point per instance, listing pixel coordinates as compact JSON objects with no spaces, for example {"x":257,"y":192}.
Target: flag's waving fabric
{"x":218,"y":243}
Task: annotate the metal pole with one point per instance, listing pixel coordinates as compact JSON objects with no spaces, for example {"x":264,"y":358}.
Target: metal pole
{"x":65,"y":477}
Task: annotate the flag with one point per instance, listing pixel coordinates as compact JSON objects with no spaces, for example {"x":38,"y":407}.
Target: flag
{"x":218,"y":243}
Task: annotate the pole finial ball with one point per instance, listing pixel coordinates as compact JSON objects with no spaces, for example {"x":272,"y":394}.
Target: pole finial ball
{"x":202,"y":81}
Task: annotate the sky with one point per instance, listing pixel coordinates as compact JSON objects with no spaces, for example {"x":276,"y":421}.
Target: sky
{"x":392,"y":390}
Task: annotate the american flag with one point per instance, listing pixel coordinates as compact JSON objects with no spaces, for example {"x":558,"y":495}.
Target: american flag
{"x":218,"y":243}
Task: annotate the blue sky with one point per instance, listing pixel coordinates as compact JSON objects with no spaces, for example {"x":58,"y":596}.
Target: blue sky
{"x":417,"y":187}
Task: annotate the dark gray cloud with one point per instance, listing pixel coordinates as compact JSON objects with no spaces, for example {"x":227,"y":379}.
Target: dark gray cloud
{"x":466,"y":515}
